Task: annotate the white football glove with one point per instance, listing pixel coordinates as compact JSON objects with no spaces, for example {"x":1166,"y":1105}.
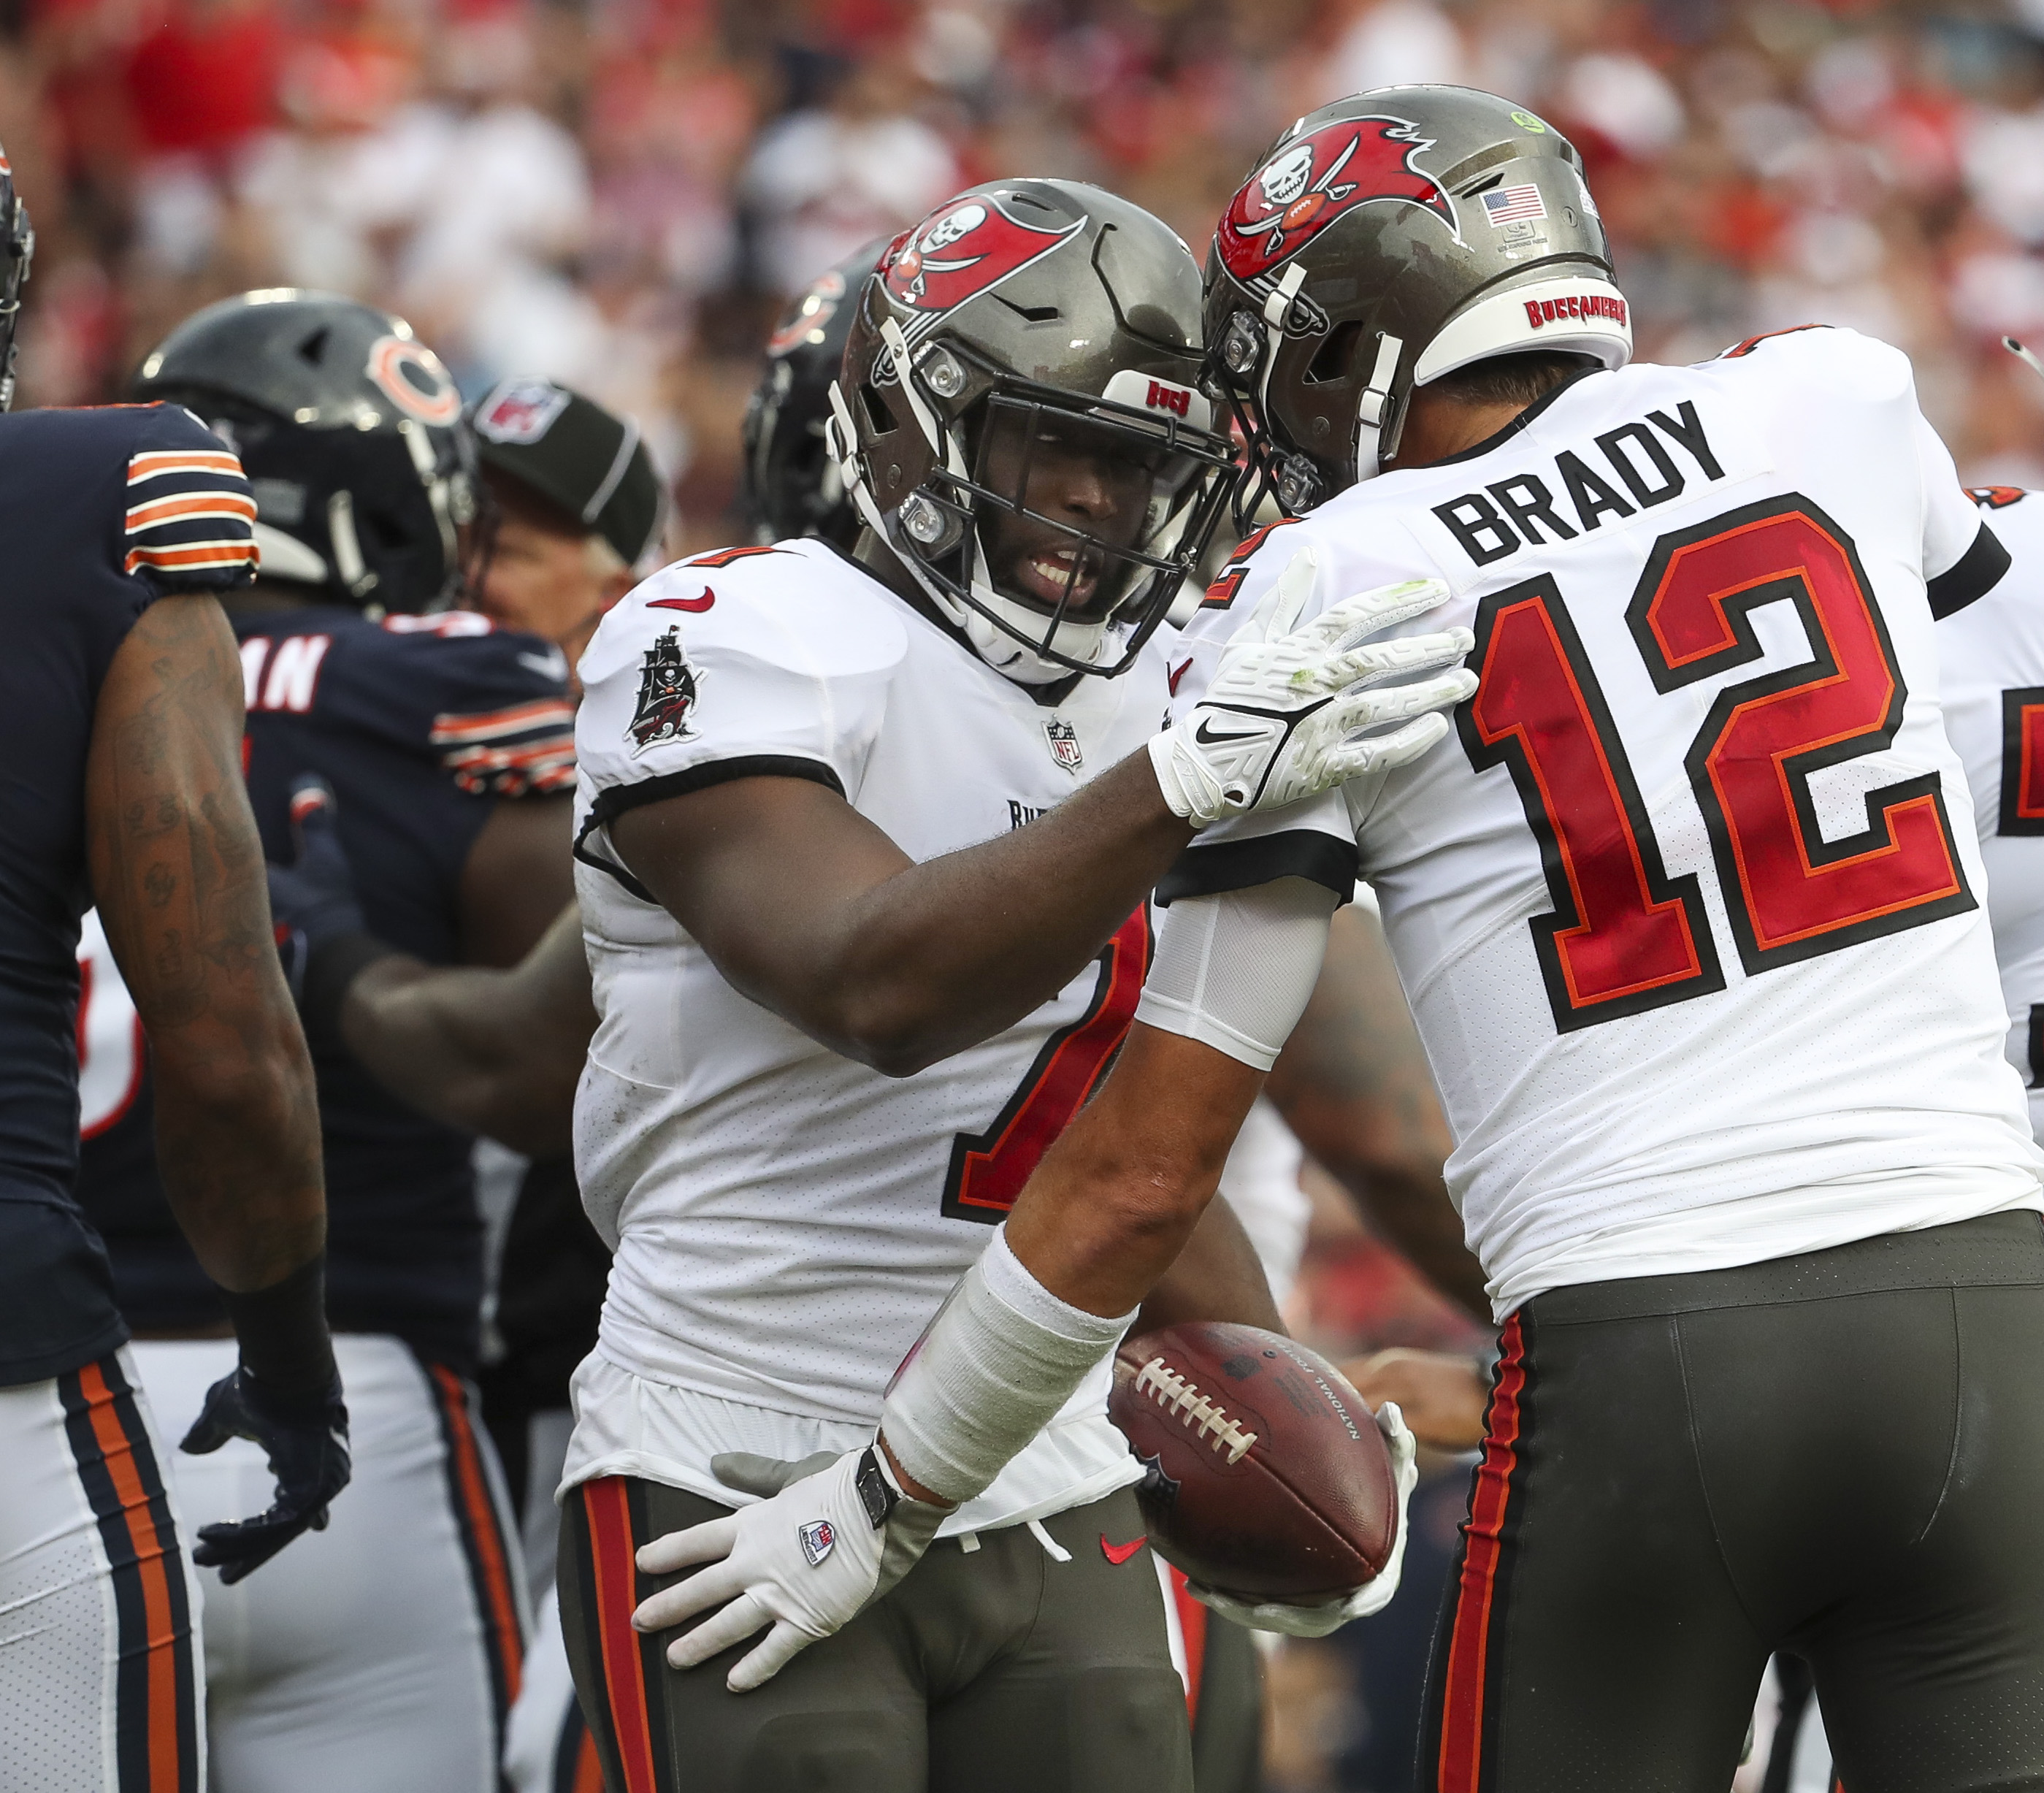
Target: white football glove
{"x":1280,"y":720}
{"x":834,"y":1535}
{"x":1315,"y":1618}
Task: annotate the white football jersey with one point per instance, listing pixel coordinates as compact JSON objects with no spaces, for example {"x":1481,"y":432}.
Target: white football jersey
{"x":1992,"y":659}
{"x":1688,"y":909}
{"x":788,"y":1222}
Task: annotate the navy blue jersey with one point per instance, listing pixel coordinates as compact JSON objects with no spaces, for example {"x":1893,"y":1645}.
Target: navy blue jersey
{"x":102,"y":512}
{"x":421,"y":724}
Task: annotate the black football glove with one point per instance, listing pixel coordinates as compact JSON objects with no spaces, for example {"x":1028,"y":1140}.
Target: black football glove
{"x":313,"y":900}
{"x":306,"y":1444}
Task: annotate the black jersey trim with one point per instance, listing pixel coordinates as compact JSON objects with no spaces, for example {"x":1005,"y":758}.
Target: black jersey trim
{"x":1972,"y":575}
{"x":1242,"y":865}
{"x":614,"y":802}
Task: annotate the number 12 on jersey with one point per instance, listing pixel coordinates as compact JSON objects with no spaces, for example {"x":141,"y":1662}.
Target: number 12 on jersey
{"x":1624,"y":938}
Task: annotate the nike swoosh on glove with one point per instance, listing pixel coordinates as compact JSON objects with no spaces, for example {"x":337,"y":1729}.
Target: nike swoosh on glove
{"x":1315,"y":1618}
{"x":805,"y":1560}
{"x":1289,"y":709}
{"x":306,"y":1444}
{"x":313,"y":900}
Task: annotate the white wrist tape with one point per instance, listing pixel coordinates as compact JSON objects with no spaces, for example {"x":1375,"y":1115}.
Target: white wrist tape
{"x":1003,"y":1354}
{"x":1234,"y":972}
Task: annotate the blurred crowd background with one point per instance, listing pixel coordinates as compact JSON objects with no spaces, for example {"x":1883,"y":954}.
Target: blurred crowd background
{"x":620,"y":194}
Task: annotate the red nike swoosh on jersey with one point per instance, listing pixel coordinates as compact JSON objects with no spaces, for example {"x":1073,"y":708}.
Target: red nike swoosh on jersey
{"x":1119,"y":1553}
{"x":697,"y":604}
{"x":1177,"y":674}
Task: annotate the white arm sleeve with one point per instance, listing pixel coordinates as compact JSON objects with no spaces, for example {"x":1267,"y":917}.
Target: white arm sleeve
{"x":1003,"y":1354}
{"x":1234,"y":971}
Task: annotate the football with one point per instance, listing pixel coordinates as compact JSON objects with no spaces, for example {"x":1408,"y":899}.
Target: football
{"x":1266,"y":1476}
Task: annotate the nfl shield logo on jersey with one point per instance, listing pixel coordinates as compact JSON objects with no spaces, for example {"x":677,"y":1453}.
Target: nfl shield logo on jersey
{"x":1064,"y":739}
{"x":817,"y":1540}
{"x":667,"y":694}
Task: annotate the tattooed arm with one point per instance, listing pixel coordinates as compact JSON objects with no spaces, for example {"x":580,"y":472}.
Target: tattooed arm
{"x":1353,"y":1084}
{"x":177,"y":871}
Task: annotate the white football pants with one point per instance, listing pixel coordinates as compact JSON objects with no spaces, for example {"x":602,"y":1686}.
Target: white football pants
{"x":383,"y":1653}
{"x":100,"y":1677}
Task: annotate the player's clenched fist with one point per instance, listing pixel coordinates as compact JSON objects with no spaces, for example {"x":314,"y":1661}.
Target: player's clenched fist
{"x":1290,"y":709}
{"x":834,"y":1535}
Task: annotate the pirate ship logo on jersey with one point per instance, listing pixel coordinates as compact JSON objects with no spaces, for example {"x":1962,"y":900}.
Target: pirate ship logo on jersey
{"x":1309,"y":184}
{"x":1064,"y":743}
{"x":969,"y":245}
{"x":667,"y":694}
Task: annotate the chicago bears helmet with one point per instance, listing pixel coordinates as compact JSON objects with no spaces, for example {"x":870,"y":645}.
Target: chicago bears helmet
{"x":1383,"y":241}
{"x":17,"y":247}
{"x":350,"y":430}
{"x":789,"y":485}
{"x":1033,"y":318}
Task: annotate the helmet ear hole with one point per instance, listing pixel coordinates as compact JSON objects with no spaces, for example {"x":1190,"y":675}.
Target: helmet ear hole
{"x":878,"y":418}
{"x":1335,"y":358}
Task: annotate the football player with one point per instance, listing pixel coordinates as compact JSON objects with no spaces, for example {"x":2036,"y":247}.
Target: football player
{"x":852,"y":977}
{"x":466,"y":1043}
{"x":122,"y":707}
{"x":1691,"y":918}
{"x":386,"y":1656}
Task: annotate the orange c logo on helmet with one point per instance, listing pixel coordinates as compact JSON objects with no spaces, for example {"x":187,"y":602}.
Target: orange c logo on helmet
{"x":1312,"y":180}
{"x":410,"y":375}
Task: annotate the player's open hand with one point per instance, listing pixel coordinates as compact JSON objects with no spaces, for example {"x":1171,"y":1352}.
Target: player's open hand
{"x":306,"y":1444}
{"x":1292,"y":710}
{"x":1315,"y":1618}
{"x":834,"y":1534}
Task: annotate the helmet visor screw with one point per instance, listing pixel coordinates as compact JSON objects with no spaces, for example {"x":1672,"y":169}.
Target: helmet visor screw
{"x":1298,"y":485}
{"x":945,"y":376}
{"x":1241,"y":345}
{"x":922,"y":520}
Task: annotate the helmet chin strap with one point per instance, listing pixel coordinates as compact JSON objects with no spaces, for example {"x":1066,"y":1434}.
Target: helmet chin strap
{"x":1369,"y":409}
{"x":1275,"y":307}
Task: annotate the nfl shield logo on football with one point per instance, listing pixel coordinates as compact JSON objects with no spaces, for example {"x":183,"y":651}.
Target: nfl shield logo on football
{"x":817,"y":1539}
{"x":1064,"y":739}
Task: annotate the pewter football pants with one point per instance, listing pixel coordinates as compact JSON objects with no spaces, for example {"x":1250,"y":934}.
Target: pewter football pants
{"x":1840,"y":1454}
{"x":993,"y":1671}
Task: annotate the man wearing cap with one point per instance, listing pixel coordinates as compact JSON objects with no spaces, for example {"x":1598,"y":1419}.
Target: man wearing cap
{"x":578,"y":505}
